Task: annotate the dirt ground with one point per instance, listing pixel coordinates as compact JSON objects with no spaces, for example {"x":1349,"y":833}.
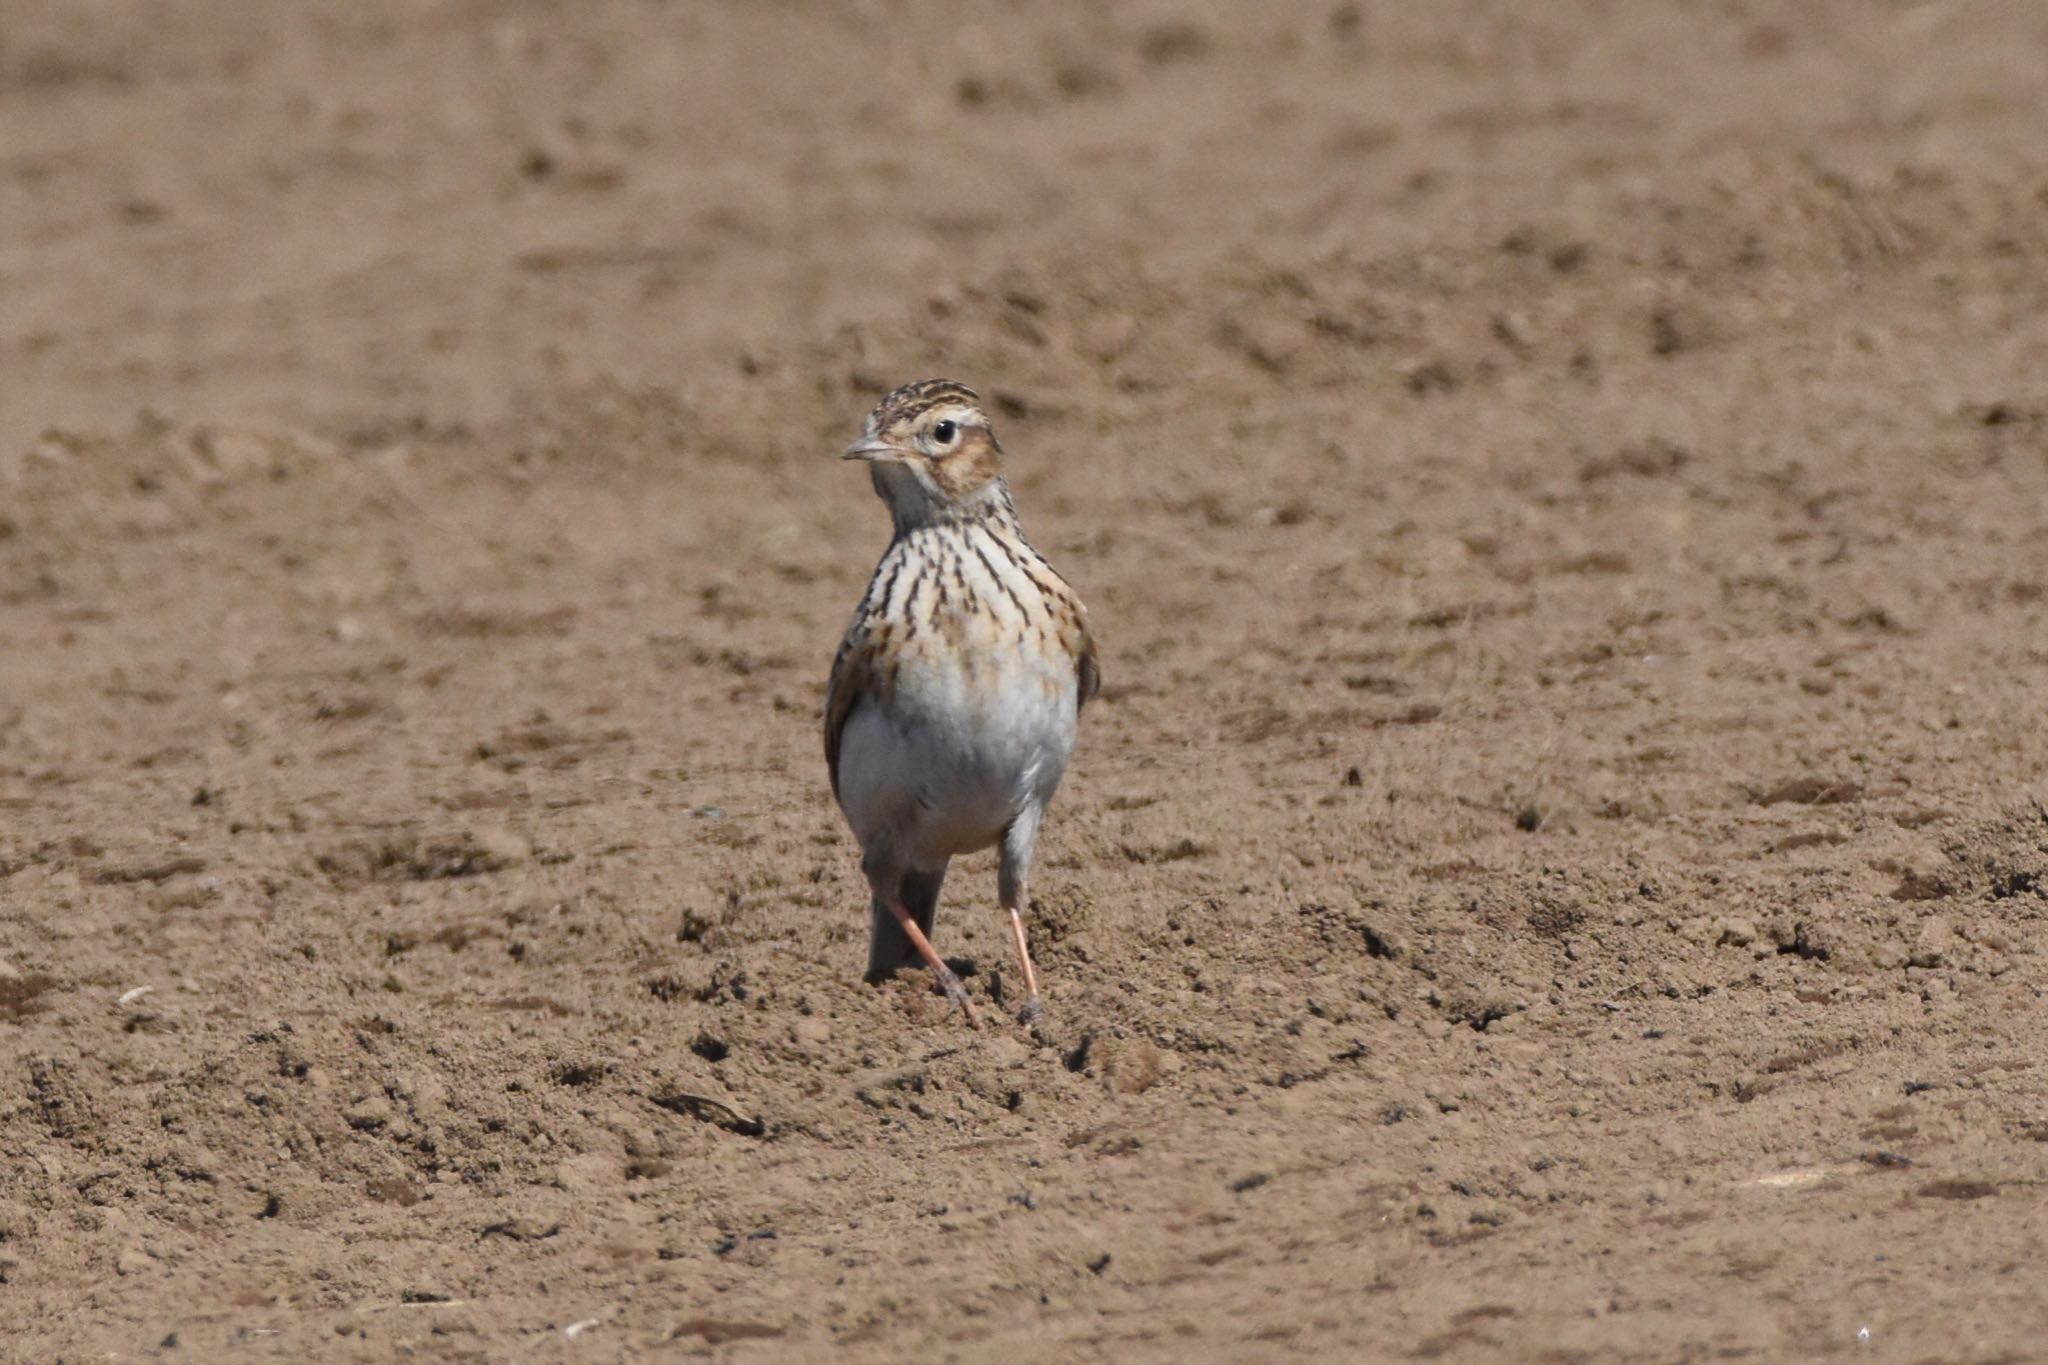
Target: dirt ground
{"x":1559,"y":867}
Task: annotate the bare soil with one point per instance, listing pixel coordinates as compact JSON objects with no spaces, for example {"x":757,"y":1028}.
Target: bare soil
{"x":1557,"y":872}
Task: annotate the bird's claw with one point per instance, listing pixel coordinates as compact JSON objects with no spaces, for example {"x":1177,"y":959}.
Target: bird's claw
{"x":949,"y":981}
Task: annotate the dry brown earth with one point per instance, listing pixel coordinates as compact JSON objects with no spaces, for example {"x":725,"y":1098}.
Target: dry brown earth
{"x":1559,"y":868}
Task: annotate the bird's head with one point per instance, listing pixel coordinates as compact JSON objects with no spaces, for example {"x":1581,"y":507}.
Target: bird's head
{"x":931,"y":452}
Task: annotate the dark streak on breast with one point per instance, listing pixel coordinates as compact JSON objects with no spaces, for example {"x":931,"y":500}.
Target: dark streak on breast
{"x":1023,"y":612}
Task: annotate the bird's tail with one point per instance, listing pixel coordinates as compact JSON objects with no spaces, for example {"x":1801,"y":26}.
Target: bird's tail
{"x":889,"y":948}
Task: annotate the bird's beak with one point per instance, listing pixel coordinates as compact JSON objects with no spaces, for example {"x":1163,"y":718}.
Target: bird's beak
{"x":870,"y":449}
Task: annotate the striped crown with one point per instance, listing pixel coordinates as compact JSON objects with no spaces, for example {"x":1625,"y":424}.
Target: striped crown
{"x":919,"y":396}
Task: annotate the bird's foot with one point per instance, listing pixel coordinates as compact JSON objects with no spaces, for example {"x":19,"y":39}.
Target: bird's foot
{"x":949,"y":982}
{"x":1033,"y":1013}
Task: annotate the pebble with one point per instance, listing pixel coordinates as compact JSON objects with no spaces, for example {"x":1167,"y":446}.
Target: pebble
{"x":1739,"y":933}
{"x":811,"y":1032}
{"x":1933,"y":942}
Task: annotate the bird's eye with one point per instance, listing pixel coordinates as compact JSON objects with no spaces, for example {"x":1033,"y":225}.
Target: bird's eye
{"x":945,"y":431}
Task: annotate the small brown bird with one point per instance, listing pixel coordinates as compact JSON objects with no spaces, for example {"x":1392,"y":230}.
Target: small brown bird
{"x":956,"y":693}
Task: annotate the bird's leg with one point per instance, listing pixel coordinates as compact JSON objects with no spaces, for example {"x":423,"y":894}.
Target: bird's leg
{"x":1010,"y":873}
{"x":948,"y":979}
{"x":1034,"y":1008}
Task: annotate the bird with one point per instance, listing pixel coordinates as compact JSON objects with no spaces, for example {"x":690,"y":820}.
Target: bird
{"x":956,"y":693}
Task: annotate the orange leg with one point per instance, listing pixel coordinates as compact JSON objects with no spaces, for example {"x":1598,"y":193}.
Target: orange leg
{"x":1010,"y":876}
{"x":947,"y":977}
{"x":1034,"y":1008}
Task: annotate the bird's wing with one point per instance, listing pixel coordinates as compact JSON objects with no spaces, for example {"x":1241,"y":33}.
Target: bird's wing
{"x":852,"y":680}
{"x":1088,"y":667}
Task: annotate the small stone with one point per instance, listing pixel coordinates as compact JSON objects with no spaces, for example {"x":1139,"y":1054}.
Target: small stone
{"x":1513,"y":331}
{"x":1131,"y":1068}
{"x":522,"y":1229}
{"x":1933,"y":943}
{"x":1004,"y":1052}
{"x":370,"y":1114}
{"x":811,"y":1032}
{"x":1924,"y":871}
{"x":1733,"y":932}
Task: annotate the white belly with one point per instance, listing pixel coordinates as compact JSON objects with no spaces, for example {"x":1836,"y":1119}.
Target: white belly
{"x":951,"y":758}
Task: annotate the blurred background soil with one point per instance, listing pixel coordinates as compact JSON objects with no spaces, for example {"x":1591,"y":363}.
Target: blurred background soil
{"x":1559,"y":866}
